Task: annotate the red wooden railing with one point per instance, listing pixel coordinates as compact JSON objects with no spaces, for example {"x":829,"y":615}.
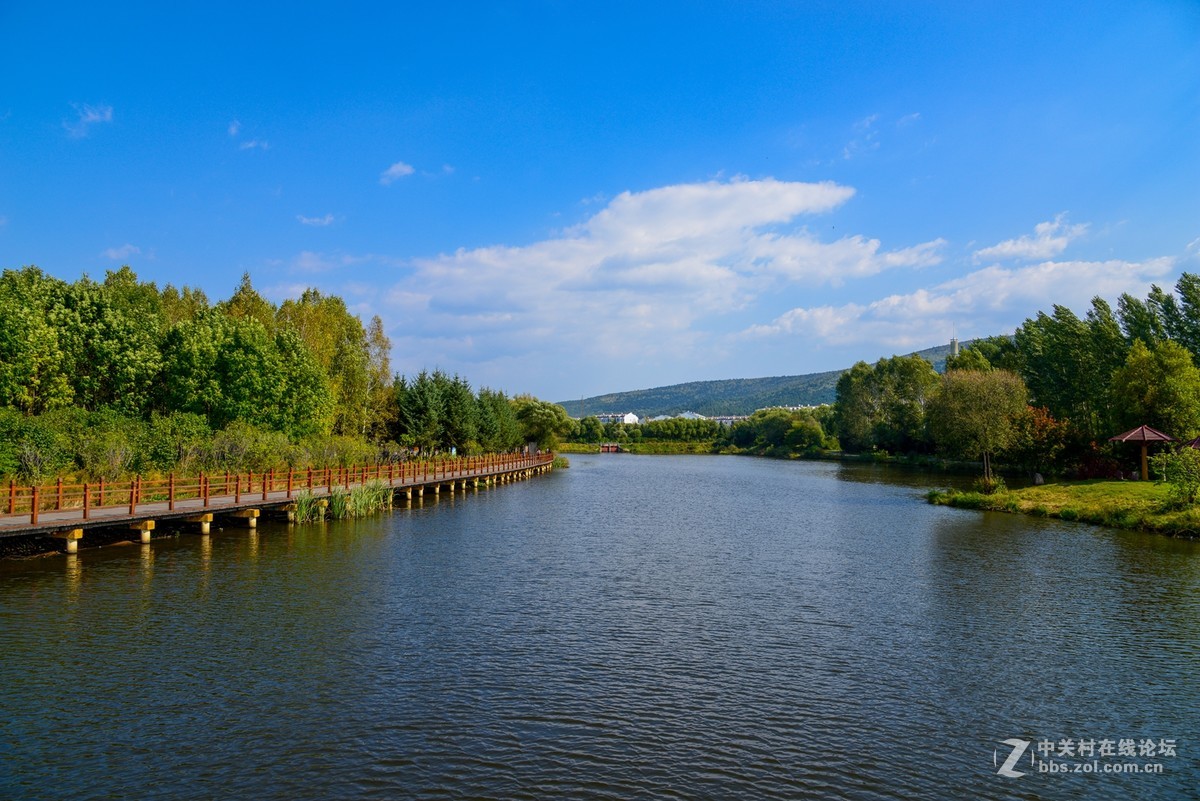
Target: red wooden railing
{"x":214,"y":490}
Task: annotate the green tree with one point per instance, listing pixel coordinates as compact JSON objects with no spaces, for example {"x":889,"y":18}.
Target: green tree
{"x":969,"y":359}
{"x":181,"y":305}
{"x":224,"y":369}
{"x":1068,"y":363}
{"x":977,"y":413}
{"x":420,"y":412}
{"x":884,"y":405}
{"x":460,"y":429}
{"x":1158,"y":386}
{"x":246,"y":304}
{"x":338,"y":341}
{"x":111,"y":335}
{"x":380,"y":398}
{"x":302,"y":398}
{"x":35,"y":371}
{"x":541,"y":422}
{"x":499,"y":429}
{"x":591,"y":430}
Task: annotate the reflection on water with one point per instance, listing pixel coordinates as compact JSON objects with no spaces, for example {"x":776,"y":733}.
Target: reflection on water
{"x":690,"y":627}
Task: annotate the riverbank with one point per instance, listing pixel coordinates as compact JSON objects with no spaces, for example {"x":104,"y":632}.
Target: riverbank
{"x":1135,"y":505}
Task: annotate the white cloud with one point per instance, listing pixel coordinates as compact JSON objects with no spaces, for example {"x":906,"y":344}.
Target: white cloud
{"x":644,"y":279}
{"x":1049,"y":239}
{"x":255,"y":144}
{"x":234,"y":128}
{"x":395,"y":172}
{"x":319,"y":222}
{"x":989,"y":301}
{"x":908,"y":119}
{"x":448,"y":169}
{"x":122,"y":252}
{"x":87,"y":116}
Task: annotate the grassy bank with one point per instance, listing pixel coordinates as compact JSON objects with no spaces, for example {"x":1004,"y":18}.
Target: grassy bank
{"x":1139,"y":505}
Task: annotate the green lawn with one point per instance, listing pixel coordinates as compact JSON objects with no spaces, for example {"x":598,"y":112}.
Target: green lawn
{"x":1142,"y":505}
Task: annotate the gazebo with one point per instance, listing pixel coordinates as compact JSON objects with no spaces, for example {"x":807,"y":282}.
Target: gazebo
{"x":1144,"y":435}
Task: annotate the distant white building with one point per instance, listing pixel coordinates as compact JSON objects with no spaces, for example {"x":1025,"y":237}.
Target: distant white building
{"x":629,"y":418}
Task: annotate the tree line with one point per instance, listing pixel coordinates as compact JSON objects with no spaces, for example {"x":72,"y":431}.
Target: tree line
{"x":1045,"y":399}
{"x":119,"y":376}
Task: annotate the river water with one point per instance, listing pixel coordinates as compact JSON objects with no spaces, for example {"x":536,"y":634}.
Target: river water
{"x":632,"y":627}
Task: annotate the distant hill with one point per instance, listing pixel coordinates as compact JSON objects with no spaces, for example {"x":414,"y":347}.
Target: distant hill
{"x":730,"y":396}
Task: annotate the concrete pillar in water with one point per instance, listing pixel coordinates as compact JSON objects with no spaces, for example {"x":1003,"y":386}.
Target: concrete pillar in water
{"x":71,"y":538}
{"x":144,"y":526}
{"x":205,"y":521}
{"x":249,"y":515}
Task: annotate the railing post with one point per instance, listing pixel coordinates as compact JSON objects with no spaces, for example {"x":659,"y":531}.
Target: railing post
{"x":101,"y":499}
{"x":290,"y":475}
{"x":58,"y":496}
{"x":204,"y":488}
{"x":132,"y":497}
{"x":310,"y":484}
{"x":33,"y":506}
{"x":12,"y":495}
{"x":87,"y":500}
{"x":171,"y":492}
{"x":237,"y":490}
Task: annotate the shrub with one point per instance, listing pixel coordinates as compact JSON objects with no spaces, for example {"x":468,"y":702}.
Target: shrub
{"x":1180,"y":471}
{"x":989,"y":485}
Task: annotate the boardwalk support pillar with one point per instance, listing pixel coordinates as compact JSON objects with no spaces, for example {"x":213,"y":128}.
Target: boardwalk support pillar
{"x":144,"y":526}
{"x":72,"y":538}
{"x":291,"y":512}
{"x":205,"y":521}
{"x":249,"y":515}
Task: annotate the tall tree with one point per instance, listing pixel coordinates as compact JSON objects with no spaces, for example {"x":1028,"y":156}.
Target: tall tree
{"x":420,"y":412}
{"x":112,"y":335}
{"x":499,"y":429}
{"x":35,"y":371}
{"x":461,"y":413}
{"x":977,"y":414}
{"x":245,"y":303}
{"x":337,"y":340}
{"x":541,"y":422}
{"x":224,"y":369}
{"x":380,"y":406}
{"x":1158,"y":386}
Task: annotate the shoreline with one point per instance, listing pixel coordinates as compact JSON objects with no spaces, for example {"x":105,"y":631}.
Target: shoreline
{"x":1129,"y":505}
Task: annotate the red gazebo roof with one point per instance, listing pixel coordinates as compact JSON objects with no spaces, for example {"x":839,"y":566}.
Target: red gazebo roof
{"x":1142,"y":434}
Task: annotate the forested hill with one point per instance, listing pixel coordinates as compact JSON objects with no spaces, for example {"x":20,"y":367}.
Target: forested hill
{"x":729,"y":396}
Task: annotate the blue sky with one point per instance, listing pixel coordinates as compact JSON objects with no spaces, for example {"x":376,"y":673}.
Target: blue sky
{"x":574,"y":198}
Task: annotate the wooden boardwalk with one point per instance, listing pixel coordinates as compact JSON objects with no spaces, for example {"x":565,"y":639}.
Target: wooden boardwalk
{"x":67,"y":510}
